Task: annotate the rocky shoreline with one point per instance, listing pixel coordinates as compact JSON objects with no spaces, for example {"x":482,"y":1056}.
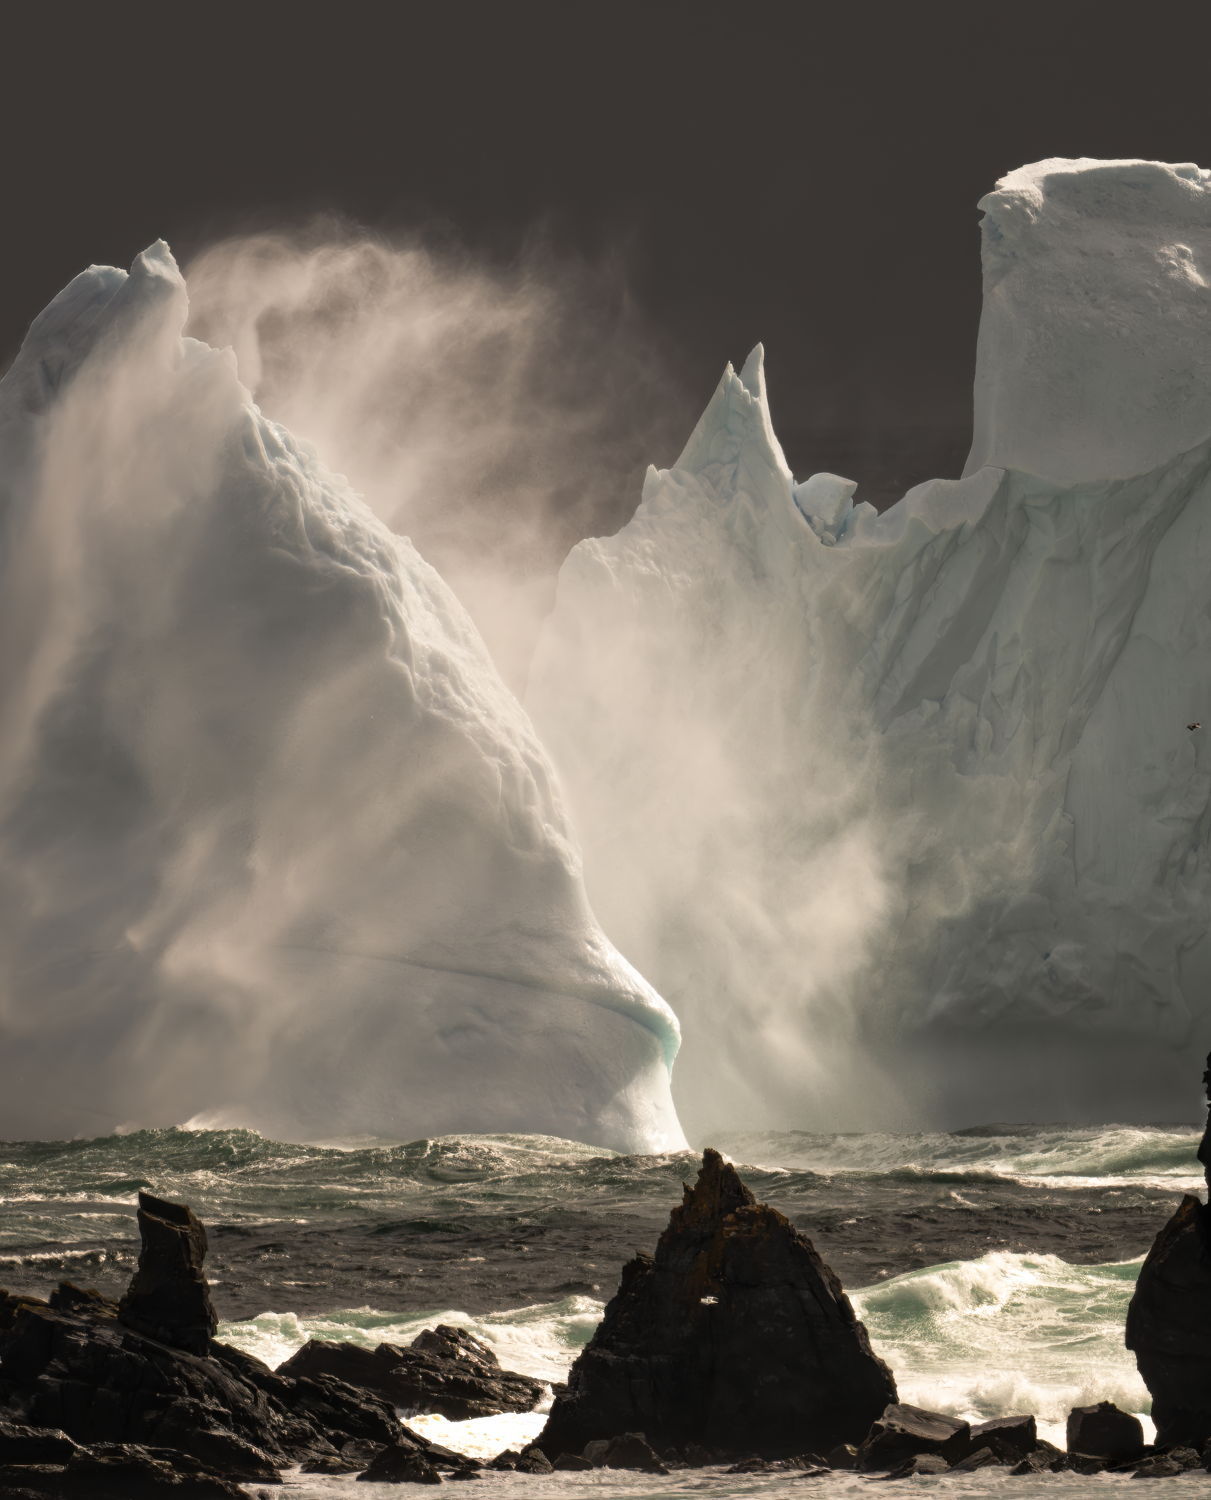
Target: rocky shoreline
{"x":733,"y":1345}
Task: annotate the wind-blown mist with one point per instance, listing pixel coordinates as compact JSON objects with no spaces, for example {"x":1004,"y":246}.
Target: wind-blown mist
{"x":901,"y":812}
{"x":277,"y":845}
{"x":494,"y":415}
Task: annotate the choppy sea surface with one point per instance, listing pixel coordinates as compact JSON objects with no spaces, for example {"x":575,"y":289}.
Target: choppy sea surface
{"x":992,"y":1266}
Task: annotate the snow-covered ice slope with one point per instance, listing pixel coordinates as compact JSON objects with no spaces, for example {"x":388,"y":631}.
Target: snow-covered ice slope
{"x":901,"y":812}
{"x":276,"y":844}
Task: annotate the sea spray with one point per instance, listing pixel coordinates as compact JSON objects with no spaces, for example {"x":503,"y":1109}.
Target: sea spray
{"x":983,"y":1338}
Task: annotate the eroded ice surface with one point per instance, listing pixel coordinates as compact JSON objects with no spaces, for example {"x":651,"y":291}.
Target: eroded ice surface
{"x":901,"y":812}
{"x":276,"y":844}
{"x":1094,"y":355}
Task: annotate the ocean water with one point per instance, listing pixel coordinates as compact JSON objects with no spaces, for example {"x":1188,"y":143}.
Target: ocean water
{"x":992,"y":1266}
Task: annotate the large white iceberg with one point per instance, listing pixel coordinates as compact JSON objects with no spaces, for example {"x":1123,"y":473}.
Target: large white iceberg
{"x":902,"y":812}
{"x":276,"y":844}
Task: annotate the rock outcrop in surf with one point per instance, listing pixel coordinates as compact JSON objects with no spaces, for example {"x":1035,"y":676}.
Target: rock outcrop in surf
{"x":168,"y":1298}
{"x":734,"y":1337}
{"x":92,"y":1403}
{"x":1169,"y":1319}
{"x":445,"y":1370}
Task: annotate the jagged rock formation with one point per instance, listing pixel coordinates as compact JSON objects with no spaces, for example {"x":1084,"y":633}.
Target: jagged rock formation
{"x":93,"y":1403}
{"x":735,"y":1336}
{"x":445,"y":1370}
{"x":1169,"y":1319}
{"x":168,"y":1298}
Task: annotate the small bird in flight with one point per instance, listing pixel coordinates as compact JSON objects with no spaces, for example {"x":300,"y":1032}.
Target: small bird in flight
{"x":1196,"y":725}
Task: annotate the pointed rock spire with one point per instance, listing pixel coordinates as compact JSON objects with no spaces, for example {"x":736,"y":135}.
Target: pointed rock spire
{"x":735,"y":1336}
{"x":168,"y":1298}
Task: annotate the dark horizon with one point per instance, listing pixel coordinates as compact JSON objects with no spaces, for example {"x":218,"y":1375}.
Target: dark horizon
{"x":791,"y":174}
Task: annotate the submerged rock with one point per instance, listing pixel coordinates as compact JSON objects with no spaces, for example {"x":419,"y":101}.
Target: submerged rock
{"x":629,"y":1450}
{"x":735,"y":1335}
{"x":401,"y":1465}
{"x":1168,"y":1465}
{"x":445,"y":1370}
{"x":1169,"y":1319}
{"x":919,"y":1463}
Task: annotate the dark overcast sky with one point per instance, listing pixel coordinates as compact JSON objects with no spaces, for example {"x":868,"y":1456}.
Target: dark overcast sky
{"x":802,"y":173}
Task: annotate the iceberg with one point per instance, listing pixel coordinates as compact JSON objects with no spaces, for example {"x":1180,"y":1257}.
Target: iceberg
{"x":902,"y":812}
{"x":277,"y":846}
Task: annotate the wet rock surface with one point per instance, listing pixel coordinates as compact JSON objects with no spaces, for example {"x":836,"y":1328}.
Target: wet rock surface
{"x":735,"y":1335}
{"x":903,"y":1432}
{"x":93,"y":1404}
{"x":1169,"y":1319}
{"x":1103,"y":1431}
{"x":168,"y":1298}
{"x":445,"y":1370}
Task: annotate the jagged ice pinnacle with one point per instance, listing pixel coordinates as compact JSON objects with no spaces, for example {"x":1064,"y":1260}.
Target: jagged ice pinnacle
{"x":901,"y":811}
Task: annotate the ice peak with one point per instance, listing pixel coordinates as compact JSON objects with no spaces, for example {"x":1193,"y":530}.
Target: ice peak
{"x":752,"y":375}
{"x":733,"y":449}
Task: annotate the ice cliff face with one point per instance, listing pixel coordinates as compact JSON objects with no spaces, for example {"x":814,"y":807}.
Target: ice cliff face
{"x":1094,"y":355}
{"x":901,"y":812}
{"x":276,"y":844}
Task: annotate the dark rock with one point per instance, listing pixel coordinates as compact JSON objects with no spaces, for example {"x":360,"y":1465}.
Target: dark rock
{"x":736,"y":1335}
{"x":68,"y":1297}
{"x":533,"y":1460}
{"x":808,"y":1463}
{"x":1104,"y":1432}
{"x":572,"y":1461}
{"x":1159,"y":1466}
{"x":34,"y":1445}
{"x":628,"y":1450}
{"x":445,"y":1370}
{"x":902,"y":1431}
{"x":980,"y":1458}
{"x":1038,"y":1462}
{"x":1169,"y":1326}
{"x":98,"y":1381}
{"x":332,"y":1464}
{"x":401,"y":1464}
{"x":694,"y":1455}
{"x":843,"y":1456}
{"x":919,"y":1463}
{"x":1188,"y":1458}
{"x":168,"y":1299}
{"x":1169,"y":1319}
{"x":1083,"y":1463}
{"x":129,"y":1474}
{"x":1010,"y":1438}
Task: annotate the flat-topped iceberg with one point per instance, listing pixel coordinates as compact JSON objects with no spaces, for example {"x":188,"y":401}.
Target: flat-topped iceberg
{"x":277,"y":846}
{"x":902,"y":812}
